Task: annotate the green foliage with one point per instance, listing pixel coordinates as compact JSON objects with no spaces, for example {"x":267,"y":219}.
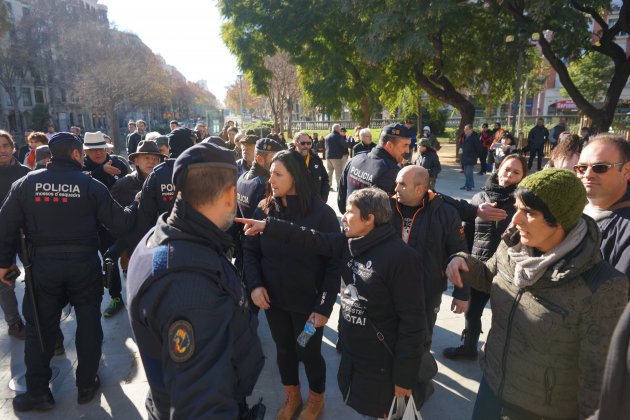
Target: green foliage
{"x":591,"y":75}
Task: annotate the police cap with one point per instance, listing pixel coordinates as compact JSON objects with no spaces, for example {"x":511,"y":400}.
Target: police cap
{"x":268,"y":145}
{"x":395,"y":129}
{"x":61,"y":138}
{"x":202,"y":155}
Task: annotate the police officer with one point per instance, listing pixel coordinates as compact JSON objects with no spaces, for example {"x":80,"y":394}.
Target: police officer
{"x":248,"y":151}
{"x":59,"y":209}
{"x":251,"y":186}
{"x":188,"y":310}
{"x":314,"y":165}
{"x":108,"y":169}
{"x":377,"y":168}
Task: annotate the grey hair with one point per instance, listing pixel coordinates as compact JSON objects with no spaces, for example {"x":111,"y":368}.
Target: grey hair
{"x":372,"y":201}
{"x":335,"y":127}
{"x":364,"y":131}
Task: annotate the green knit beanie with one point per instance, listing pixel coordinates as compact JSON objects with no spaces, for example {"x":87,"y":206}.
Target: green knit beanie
{"x":561,"y":191}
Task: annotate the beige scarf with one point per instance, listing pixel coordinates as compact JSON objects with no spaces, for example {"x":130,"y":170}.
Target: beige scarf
{"x":529,"y":268}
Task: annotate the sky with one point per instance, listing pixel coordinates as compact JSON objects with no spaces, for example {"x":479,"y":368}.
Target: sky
{"x":187,"y":33}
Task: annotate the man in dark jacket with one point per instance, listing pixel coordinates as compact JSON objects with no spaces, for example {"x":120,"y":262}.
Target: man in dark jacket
{"x":145,"y":159}
{"x":536,"y":141}
{"x":336,"y":153}
{"x":136,"y":137}
{"x":248,"y":151}
{"x":59,"y":209}
{"x":366,"y":144}
{"x":556,"y":131}
{"x":10,"y":171}
{"x":604,"y":168}
{"x":187,"y":307}
{"x":314,"y":165}
{"x":377,"y":168}
{"x":107,"y":169}
{"x":471,"y":149}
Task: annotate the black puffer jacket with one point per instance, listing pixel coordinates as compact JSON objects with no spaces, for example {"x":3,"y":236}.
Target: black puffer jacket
{"x":487,"y":234}
{"x":430,"y":161}
{"x":383,"y":291}
{"x":295,"y":281}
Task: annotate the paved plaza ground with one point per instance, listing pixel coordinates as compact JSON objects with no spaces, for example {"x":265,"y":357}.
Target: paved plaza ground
{"x":124,"y":384}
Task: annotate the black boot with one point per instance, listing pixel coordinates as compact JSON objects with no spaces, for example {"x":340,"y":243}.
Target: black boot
{"x":26,"y":402}
{"x":468,"y":350}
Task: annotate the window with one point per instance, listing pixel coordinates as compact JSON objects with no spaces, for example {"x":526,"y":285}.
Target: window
{"x":10,"y":11}
{"x":25,"y":11}
{"x":39,"y":96}
{"x":26,"y":97}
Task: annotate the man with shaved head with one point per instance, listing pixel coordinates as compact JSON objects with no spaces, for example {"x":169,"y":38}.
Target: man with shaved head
{"x":433,"y":228}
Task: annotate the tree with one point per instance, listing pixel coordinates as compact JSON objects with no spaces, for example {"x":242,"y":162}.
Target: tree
{"x":251,"y":101}
{"x":591,"y":75}
{"x":283,"y":88}
{"x":322,"y":48}
{"x":446,"y":48}
{"x":569,"y":37}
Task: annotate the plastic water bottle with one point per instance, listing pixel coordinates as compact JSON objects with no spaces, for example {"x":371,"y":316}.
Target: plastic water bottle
{"x":306,"y":334}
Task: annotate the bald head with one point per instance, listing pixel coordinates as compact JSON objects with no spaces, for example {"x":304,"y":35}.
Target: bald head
{"x":412,"y":183}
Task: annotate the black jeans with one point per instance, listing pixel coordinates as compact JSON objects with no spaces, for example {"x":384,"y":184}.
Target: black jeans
{"x":57,"y":278}
{"x":476,"y":305}
{"x":431,"y":308}
{"x":483,"y":155}
{"x":285,"y":328}
{"x":532,"y":153}
{"x":105,"y":241}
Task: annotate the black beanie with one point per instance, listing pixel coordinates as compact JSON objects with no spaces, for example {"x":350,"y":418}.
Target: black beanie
{"x":179,"y":140}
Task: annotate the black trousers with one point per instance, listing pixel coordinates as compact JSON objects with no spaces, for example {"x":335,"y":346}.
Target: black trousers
{"x":57,"y":279}
{"x":285,"y":328}
{"x":476,"y":305}
{"x":432,"y":307}
{"x":483,"y":156}
{"x":105,"y":241}
{"x":533,"y":152}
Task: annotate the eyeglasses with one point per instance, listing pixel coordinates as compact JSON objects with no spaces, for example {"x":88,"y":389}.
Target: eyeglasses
{"x":306,"y":143}
{"x":598,"y":168}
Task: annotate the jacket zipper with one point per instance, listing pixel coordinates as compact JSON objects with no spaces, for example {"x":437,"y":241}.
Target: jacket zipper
{"x":551,"y":306}
{"x":506,"y":348}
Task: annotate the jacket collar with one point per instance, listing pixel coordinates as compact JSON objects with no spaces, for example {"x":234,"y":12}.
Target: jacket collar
{"x":64,"y":164}
{"x":379,"y":152}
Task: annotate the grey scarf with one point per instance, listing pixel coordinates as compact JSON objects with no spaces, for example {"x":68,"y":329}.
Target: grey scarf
{"x":530,"y":268}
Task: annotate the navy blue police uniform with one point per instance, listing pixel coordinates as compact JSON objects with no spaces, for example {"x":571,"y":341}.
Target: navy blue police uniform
{"x":189,"y":312}
{"x":251,"y":186}
{"x":376,"y":168}
{"x":60,"y":209}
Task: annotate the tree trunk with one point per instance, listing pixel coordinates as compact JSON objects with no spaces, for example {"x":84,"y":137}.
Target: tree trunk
{"x":441,"y":88}
{"x":366,"y":112}
{"x":114,"y":130}
{"x":289,"y":125}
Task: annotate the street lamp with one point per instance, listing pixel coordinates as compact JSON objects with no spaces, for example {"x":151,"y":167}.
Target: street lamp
{"x":240,"y":94}
{"x":522,"y":40}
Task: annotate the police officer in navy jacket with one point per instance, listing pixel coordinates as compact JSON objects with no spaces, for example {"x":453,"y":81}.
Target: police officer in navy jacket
{"x":60,"y":209}
{"x":188,"y":309}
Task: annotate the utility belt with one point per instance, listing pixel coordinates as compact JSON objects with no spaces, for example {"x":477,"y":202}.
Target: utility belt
{"x":65,"y":248}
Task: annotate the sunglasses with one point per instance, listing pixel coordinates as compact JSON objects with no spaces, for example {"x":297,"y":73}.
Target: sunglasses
{"x":306,"y":143}
{"x":598,"y":168}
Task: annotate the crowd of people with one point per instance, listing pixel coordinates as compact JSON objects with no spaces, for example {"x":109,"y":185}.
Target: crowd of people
{"x":214,"y":231}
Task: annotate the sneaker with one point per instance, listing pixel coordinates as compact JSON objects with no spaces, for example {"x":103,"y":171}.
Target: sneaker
{"x":17,"y":330}
{"x":463,"y":188}
{"x":26,"y":402}
{"x":114,"y":307}
{"x":87,"y":394}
